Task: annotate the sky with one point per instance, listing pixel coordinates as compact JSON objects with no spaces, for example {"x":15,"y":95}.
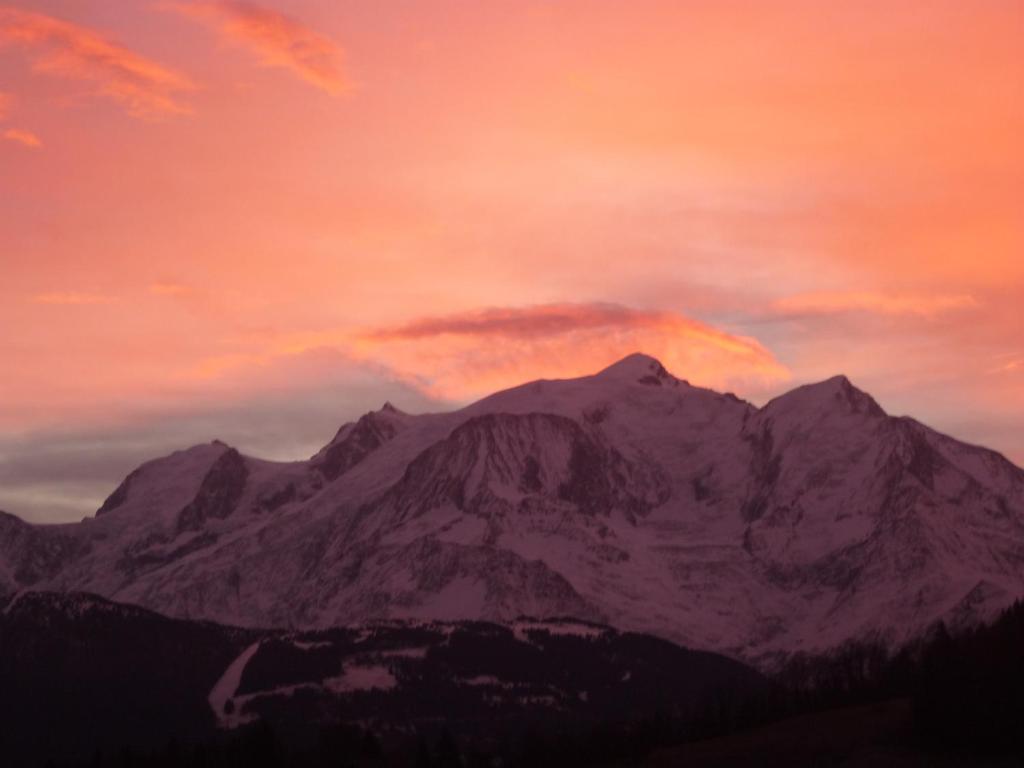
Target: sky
{"x":254,"y":221}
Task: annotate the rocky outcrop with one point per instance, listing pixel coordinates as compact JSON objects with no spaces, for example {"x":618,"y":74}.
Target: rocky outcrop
{"x":119,"y":496}
{"x":30,"y":554}
{"x":219,"y":493}
{"x":495,"y":463}
{"x":354,"y":442}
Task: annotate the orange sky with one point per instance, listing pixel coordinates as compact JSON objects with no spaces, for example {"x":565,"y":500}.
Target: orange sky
{"x":214,"y":206}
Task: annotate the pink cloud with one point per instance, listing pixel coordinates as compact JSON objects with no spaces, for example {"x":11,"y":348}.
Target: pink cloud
{"x":5,"y":105}
{"x":167,"y":288}
{"x":278,"y":40}
{"x":71,"y":298}
{"x":465,"y":355}
{"x":63,"y":49}
{"x":1008,"y":363}
{"x":459,"y":357}
{"x":23,"y":137}
{"x":828,"y":303}
{"x":524,"y":323}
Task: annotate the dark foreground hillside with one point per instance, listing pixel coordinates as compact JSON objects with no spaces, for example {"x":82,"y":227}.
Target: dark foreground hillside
{"x":86,"y":682}
{"x":948,"y":700}
{"x":864,"y":736}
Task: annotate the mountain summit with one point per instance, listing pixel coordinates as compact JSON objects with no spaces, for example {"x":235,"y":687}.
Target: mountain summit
{"x":627,"y":497}
{"x":636,"y":367}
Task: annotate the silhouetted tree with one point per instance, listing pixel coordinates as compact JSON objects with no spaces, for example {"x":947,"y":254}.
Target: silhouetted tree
{"x":447,"y":751}
{"x":423,"y":759}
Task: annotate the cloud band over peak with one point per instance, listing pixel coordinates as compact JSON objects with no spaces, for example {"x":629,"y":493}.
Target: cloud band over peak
{"x":473,"y":353}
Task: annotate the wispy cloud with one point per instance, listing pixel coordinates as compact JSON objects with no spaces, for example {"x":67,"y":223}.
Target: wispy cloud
{"x":518,"y":322}
{"x":60,"y":48}
{"x":23,"y":137}
{"x":559,"y":319}
{"x":829,"y":303}
{"x":71,"y":298}
{"x":278,"y":40}
{"x":166,"y":288}
{"x":464,"y":355}
{"x":1009,"y":363}
{"x":459,"y":357}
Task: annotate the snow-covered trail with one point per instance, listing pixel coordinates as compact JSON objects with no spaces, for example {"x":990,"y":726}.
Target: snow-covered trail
{"x":225,"y":688}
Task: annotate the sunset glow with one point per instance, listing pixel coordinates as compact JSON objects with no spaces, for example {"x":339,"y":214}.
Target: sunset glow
{"x":215,"y":207}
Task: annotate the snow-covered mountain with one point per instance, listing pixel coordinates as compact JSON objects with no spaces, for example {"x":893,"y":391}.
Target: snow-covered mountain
{"x":629,"y":497}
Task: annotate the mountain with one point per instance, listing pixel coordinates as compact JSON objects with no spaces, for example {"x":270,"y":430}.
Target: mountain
{"x":629,"y":497}
{"x":83,"y":675}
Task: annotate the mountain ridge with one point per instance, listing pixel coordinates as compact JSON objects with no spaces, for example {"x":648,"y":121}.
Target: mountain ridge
{"x":628,"y":495}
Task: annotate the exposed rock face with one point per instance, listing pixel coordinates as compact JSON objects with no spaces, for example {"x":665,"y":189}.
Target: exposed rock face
{"x":629,"y":497}
{"x":119,"y":496}
{"x":219,"y":494}
{"x":493,"y":464}
{"x":30,"y":554}
{"x":354,"y":442}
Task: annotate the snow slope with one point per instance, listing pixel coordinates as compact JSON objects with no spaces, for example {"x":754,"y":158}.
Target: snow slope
{"x":627,"y":497}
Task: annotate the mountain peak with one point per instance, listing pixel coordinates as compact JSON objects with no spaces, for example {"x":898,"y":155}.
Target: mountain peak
{"x":639,"y":367}
{"x":835,"y":392}
{"x":172,"y":474}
